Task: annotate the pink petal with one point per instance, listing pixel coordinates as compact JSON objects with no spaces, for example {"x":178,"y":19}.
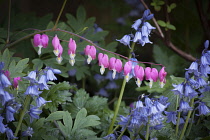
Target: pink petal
{"x":55,"y":42}
{"x":45,"y":40}
{"x":127,"y":67}
{"x":37,"y":40}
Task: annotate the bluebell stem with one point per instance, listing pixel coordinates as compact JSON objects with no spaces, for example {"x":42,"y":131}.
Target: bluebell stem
{"x":28,"y":132}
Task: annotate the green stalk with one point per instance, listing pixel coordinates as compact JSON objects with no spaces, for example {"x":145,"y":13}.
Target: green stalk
{"x":22,"y":114}
{"x":191,"y":123}
{"x":61,"y":11}
{"x":187,"y":119}
{"x":120,"y":97}
{"x":179,"y":114}
{"x":177,"y":123}
{"x":8,"y":27}
{"x":147,"y":130}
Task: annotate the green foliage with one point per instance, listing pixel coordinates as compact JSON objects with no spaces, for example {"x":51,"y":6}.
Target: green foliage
{"x":80,"y":128}
{"x":171,"y":7}
{"x":167,"y":25}
{"x":58,"y":94}
{"x":174,"y":64}
{"x":157,"y":4}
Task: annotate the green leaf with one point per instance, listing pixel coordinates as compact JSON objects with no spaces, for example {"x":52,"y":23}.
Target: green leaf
{"x":6,"y":58}
{"x":38,"y":64}
{"x":82,"y":71}
{"x":161,"y":23}
{"x":170,"y":26}
{"x":81,"y":14}
{"x":58,"y":94}
{"x":82,"y":121}
{"x":58,"y":115}
{"x":67,"y":120}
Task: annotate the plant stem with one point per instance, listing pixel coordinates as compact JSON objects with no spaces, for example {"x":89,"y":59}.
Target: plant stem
{"x":177,"y":123}
{"x":147,"y":130}
{"x":179,"y":114}
{"x":191,"y":123}
{"x":187,"y":119}
{"x":120,"y":96}
{"x":61,"y":11}
{"x":8,"y":26}
{"x":22,"y":114}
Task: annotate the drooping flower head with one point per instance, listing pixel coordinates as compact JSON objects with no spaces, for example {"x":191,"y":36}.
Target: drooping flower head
{"x":127,"y":70}
{"x":40,"y":41}
{"x":28,"y":132}
{"x":72,"y":51}
{"x":115,"y":65}
{"x":125,"y":40}
{"x":139,"y":74}
{"x":60,"y":52}
{"x":90,"y":51}
{"x":151,"y":75}
{"x":103,"y":61}
{"x":34,"y":113}
{"x":162,"y":75}
{"x":56,"y":43}
{"x":15,"y":82}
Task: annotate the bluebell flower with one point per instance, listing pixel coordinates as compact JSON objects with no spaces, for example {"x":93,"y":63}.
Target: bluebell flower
{"x":160,"y":107}
{"x":203,"y":109}
{"x":124,"y":121}
{"x":10,"y":134}
{"x":125,"y":137}
{"x":72,"y":72}
{"x":41,"y":101}
{"x":31,"y":76}
{"x":136,"y":24}
{"x":2,"y":126}
{"x":4,"y":81}
{"x":6,"y":97}
{"x":163,"y":100}
{"x":178,"y":90}
{"x":148,"y":102}
{"x":171,"y":117}
{"x":33,"y":90}
{"x":137,"y":37}
{"x":102,"y":92}
{"x":55,"y":71}
{"x":28,"y":132}
{"x":50,"y":75}
{"x":201,"y":82}
{"x":204,"y":60}
{"x":10,"y":113}
{"x":147,"y":15}
{"x":156,"y":119}
{"x":189,"y":91}
{"x":193,"y":83}
{"x":34,"y":113}
{"x":204,"y":70}
{"x":153,"y":110}
{"x":110,"y":137}
{"x":134,"y":124}
{"x":111,"y":85}
{"x":99,"y":78}
{"x":1,"y":65}
{"x":125,"y":40}
{"x":139,"y":104}
{"x":184,"y":106}
{"x":206,"y":44}
{"x":43,"y":82}
{"x":193,"y":68}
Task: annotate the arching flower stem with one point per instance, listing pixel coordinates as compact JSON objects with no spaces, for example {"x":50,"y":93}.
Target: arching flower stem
{"x":120,"y":96}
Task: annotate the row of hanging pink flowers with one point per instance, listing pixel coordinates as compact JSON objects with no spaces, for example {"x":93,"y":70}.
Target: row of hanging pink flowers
{"x":113,"y":63}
